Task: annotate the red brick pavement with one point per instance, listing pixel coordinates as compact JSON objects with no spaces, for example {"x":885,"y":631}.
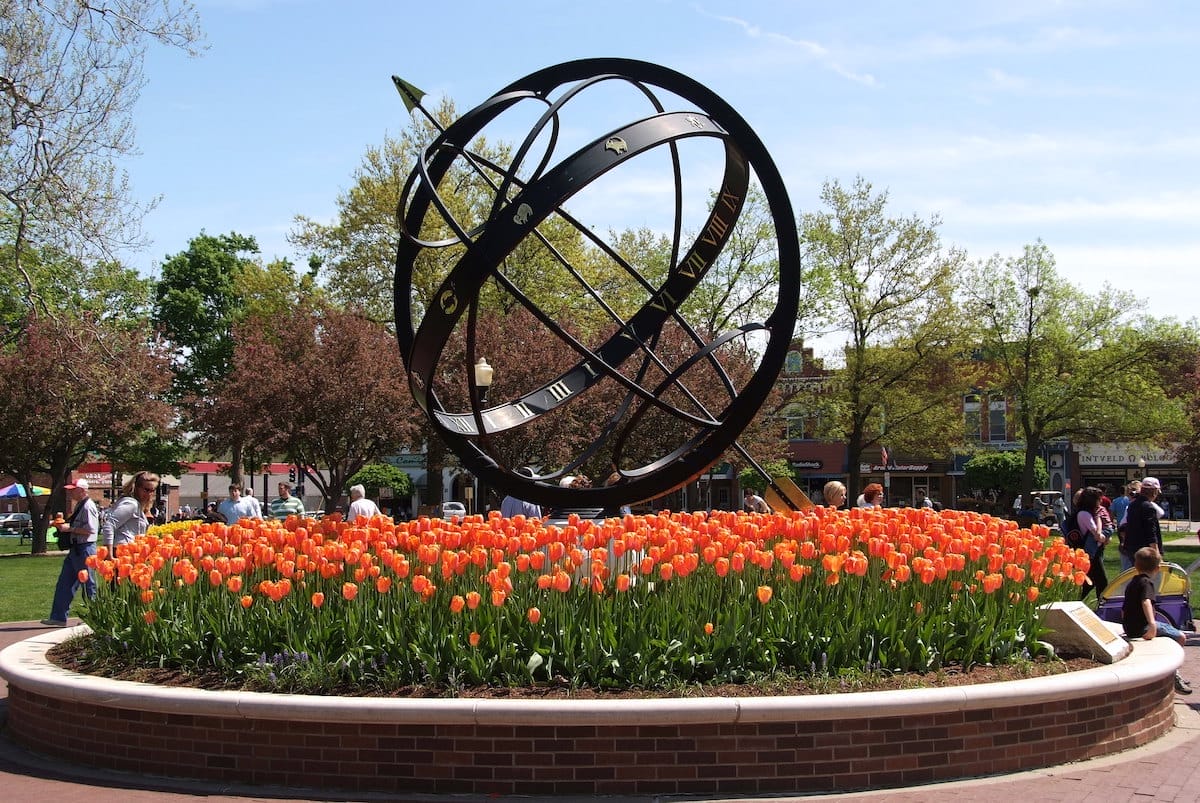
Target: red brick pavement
{"x":1167,"y":770}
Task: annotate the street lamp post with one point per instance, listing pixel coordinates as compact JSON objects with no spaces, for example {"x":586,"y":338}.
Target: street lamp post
{"x":484,"y":374}
{"x":483,"y":379}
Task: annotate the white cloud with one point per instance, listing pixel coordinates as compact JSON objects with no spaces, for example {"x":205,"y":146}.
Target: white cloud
{"x":940,"y":47}
{"x":999,"y":79}
{"x":1155,"y":273}
{"x":1163,"y":208}
{"x":813,"y":50}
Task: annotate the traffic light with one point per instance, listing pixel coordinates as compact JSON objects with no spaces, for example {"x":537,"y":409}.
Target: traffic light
{"x":291,"y":473}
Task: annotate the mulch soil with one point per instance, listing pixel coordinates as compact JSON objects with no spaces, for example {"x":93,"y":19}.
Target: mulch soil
{"x":74,"y":655}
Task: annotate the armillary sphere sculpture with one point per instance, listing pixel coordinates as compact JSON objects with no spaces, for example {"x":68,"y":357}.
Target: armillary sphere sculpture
{"x":526,"y":204}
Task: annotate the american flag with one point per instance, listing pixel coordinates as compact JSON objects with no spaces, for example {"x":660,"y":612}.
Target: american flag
{"x":883,"y":455}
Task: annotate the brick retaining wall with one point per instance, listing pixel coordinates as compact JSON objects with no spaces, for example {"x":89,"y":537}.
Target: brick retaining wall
{"x":599,"y":754}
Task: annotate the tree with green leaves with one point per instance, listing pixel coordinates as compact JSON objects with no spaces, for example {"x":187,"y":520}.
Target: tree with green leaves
{"x":202,"y":294}
{"x":1189,"y":451}
{"x":356,"y":252}
{"x":1002,"y":472}
{"x":374,"y":476}
{"x":740,"y":286}
{"x":54,"y":283}
{"x":891,"y":288}
{"x":198,"y":300}
{"x":750,"y":479}
{"x":1077,"y":364}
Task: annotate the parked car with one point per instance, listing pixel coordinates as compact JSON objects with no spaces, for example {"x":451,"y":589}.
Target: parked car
{"x":449,"y":509}
{"x":15,"y":524}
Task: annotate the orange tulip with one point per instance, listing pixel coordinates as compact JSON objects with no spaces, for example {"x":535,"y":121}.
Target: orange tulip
{"x":473,"y":600}
{"x":457,"y":603}
{"x":534,"y":615}
{"x":349,"y":591}
{"x":247,"y":601}
{"x":764,"y":594}
{"x":708,"y":628}
{"x":473,"y":639}
{"x":83,"y":575}
{"x":150,"y":617}
{"x":318,"y":599}
{"x":383,"y":584}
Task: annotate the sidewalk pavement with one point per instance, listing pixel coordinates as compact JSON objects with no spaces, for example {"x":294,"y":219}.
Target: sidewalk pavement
{"x":1166,"y":770}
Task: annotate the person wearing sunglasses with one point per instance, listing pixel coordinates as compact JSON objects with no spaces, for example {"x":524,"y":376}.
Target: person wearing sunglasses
{"x":128,"y":519}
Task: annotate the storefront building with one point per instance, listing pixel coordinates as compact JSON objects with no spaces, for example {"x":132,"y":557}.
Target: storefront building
{"x":1113,"y":465}
{"x":815,"y":463}
{"x":906,"y":480}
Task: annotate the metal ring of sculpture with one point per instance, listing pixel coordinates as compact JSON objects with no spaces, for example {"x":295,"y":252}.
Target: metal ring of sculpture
{"x":523,"y":203}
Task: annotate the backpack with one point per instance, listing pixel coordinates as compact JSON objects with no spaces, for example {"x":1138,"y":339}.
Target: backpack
{"x":1073,"y":535}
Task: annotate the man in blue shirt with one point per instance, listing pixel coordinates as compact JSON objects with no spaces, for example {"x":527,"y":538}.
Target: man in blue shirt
{"x":238,"y":506}
{"x":1121,"y":503}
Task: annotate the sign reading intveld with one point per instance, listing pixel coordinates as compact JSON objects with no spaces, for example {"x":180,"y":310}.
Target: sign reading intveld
{"x":1123,"y":454}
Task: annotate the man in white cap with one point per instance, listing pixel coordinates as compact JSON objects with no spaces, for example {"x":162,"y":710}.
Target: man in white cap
{"x":1141,"y":522}
{"x":82,"y":526}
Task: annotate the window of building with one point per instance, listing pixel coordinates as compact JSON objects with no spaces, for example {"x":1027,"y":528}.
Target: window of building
{"x":997,"y":419}
{"x":794,"y":363}
{"x":972,"y":425}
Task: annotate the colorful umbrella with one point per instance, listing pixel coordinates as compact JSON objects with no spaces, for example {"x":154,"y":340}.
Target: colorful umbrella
{"x":17,"y":489}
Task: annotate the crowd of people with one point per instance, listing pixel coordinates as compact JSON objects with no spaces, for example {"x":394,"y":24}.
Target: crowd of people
{"x":140,"y":506}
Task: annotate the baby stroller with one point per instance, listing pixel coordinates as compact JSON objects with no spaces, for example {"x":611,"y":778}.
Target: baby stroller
{"x":1174,"y":591}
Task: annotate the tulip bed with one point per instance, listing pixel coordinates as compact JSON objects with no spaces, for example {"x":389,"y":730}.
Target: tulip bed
{"x":640,"y":602}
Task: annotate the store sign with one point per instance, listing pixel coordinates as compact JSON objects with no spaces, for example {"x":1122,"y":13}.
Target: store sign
{"x":1122,"y":454}
{"x":898,"y":468}
{"x":405,"y":460}
{"x":808,"y":465}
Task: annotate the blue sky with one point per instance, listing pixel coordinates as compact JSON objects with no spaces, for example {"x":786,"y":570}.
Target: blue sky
{"x":1074,"y":122}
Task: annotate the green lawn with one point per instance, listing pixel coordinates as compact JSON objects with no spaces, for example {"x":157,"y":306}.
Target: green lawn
{"x":27,"y":585}
{"x":1185,"y":556}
